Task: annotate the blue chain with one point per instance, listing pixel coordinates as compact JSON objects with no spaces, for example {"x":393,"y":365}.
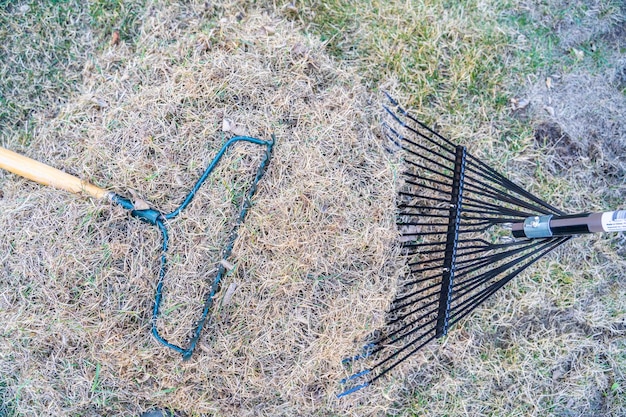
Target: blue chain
{"x":157,"y":218}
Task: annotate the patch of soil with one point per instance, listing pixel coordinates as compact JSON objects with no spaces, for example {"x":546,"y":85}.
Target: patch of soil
{"x":578,"y":116}
{"x":579,"y":123}
{"x":550,"y":135}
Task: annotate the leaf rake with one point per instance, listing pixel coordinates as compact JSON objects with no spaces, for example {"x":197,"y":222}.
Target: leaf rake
{"x":466,"y":231}
{"x":47,"y":175}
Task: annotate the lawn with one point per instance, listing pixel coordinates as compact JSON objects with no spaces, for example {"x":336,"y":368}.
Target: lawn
{"x":138,"y":96}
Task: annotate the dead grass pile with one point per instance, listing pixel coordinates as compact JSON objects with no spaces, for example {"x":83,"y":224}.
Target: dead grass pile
{"x":313,"y":262}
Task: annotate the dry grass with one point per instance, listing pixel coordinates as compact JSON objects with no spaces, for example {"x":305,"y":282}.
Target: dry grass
{"x":315,"y":261}
{"x":43,"y":48}
{"x":312,"y":261}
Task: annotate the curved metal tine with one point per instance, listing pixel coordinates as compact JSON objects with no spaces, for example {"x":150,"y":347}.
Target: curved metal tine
{"x":500,"y":195}
{"x":476,"y":265}
{"x":411,"y":143}
{"x":499,"y":208}
{"x":466,"y":251}
{"x":422,"y":125}
{"x":208,"y":301}
{"x":465,"y":286}
{"x":405,"y":357}
{"x":420,"y":280}
{"x":471,"y":282}
{"x":413,"y":294}
{"x":409,"y":327}
{"x":488,"y":172}
{"x":488,"y":245}
{"x":404,"y":112}
{"x":416,"y":251}
{"x":479,"y":298}
{"x":426,"y":187}
{"x":422,"y":244}
{"x":487,"y":259}
{"x":412,"y":312}
{"x":404,"y":287}
{"x":432,"y":180}
{"x":426,"y":297}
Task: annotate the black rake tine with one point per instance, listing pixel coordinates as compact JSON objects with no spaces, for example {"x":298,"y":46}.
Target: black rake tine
{"x":419,"y":177}
{"x":412,"y":312}
{"x":414,"y":322}
{"x":416,"y":251}
{"x":500,"y":283}
{"x":432,"y":170}
{"x":403,"y":138}
{"x":493,"y":245}
{"x":462,"y":287}
{"x":423,"y":244}
{"x":420,"y":280}
{"x":423,"y":234}
{"x":437,"y":190}
{"x":405,"y":357}
{"x":507,"y":183}
{"x":502,"y":196}
{"x":416,"y":132}
{"x":416,"y":207}
{"x":469,"y":250}
{"x":468,"y":269}
{"x":413,"y":294}
{"x":491,"y":258}
{"x":469,"y":201}
{"x":406,"y":114}
{"x":397,"y":135}
{"x":487,"y":211}
{"x":403,"y":224}
{"x":420,"y":134}
{"x":412,"y":195}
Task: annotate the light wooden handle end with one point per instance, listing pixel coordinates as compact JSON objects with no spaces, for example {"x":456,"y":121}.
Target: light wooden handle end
{"x":46,"y":175}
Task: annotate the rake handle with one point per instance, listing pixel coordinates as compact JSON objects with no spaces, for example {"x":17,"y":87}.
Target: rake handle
{"x":47,"y":175}
{"x":553,"y":225}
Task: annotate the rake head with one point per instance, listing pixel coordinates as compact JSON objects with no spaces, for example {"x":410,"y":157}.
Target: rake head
{"x":48,"y":175}
{"x":465,"y":230}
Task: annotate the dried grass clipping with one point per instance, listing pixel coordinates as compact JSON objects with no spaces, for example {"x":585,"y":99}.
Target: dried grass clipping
{"x":312,"y":266}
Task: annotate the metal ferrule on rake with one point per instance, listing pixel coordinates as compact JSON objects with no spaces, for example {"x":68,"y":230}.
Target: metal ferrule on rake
{"x":567,"y":225}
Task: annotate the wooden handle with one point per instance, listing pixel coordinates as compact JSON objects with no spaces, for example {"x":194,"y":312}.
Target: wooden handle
{"x":46,"y":175}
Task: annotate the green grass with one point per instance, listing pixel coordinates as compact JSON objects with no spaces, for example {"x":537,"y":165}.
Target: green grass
{"x":8,"y":402}
{"x":45,"y":46}
{"x":444,"y":54}
{"x":453,"y":60}
{"x":124,"y":17}
{"x":549,"y":48}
